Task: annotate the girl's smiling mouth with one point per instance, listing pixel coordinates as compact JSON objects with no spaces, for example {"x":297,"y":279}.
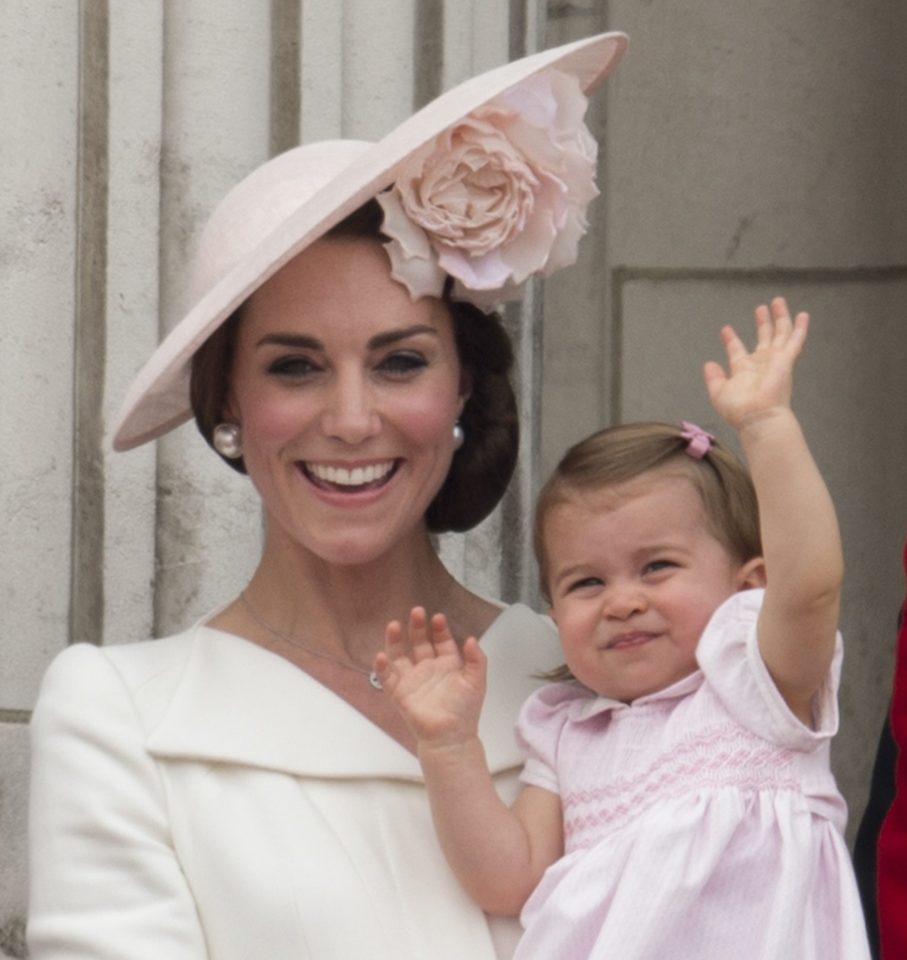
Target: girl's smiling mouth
{"x":349,"y":479}
{"x":635,"y":638}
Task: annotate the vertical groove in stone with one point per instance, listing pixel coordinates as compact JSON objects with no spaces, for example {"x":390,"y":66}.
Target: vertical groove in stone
{"x":524,"y":322}
{"x":86,"y":581}
{"x":519,"y":27}
{"x":428,"y":51}
{"x":286,"y":80}
{"x":615,"y":360}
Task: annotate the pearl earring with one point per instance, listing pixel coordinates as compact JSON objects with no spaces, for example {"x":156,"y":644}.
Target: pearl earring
{"x":458,"y":435}
{"x":228,"y":440}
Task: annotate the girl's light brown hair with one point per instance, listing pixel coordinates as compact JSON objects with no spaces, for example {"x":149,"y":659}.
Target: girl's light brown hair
{"x":622,"y":453}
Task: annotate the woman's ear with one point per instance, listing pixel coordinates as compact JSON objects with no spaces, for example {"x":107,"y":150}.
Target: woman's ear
{"x":465,"y":390}
{"x":751,"y":574}
{"x":230,"y":412}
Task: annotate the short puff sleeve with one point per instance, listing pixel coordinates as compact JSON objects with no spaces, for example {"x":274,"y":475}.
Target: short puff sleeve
{"x":732,"y":663}
{"x":540,"y":725}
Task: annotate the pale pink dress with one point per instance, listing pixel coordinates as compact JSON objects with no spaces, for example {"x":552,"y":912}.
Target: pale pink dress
{"x":701,"y":821}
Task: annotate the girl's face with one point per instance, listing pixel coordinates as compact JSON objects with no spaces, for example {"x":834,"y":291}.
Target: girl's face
{"x":346,"y":392}
{"x":635,"y":575}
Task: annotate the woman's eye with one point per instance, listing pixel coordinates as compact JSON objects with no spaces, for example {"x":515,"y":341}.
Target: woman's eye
{"x":292,"y":367}
{"x":402,"y":363}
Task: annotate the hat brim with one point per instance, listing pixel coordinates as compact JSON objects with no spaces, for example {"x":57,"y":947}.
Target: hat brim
{"x":158,"y":399}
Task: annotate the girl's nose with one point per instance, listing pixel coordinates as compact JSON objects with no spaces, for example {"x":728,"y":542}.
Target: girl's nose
{"x":350,"y":414}
{"x":622,"y":601}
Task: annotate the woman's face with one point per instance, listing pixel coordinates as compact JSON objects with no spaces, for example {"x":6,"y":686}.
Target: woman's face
{"x":346,"y":392}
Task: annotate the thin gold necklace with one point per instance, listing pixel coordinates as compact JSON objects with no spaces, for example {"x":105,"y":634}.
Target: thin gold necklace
{"x":287,"y":638}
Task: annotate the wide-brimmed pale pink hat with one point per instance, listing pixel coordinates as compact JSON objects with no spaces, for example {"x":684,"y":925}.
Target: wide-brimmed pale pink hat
{"x":295,"y":198}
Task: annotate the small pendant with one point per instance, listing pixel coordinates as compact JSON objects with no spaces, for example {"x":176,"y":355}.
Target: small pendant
{"x":374,"y":681}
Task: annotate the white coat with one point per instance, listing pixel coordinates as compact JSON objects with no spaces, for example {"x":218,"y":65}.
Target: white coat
{"x":200,"y":798}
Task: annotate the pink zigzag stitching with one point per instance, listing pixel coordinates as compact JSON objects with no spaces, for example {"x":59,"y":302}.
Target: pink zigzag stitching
{"x":741,"y":760}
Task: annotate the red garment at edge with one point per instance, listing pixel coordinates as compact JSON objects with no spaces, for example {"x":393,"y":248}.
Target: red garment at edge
{"x":892,"y":851}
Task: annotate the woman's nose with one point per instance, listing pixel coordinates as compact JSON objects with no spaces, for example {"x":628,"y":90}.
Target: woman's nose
{"x":350,"y":413}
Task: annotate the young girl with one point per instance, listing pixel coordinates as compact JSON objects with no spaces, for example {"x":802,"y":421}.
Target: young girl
{"x":679,"y":801}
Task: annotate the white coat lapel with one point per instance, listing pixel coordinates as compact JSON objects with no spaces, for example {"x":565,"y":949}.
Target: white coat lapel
{"x":237,"y":703}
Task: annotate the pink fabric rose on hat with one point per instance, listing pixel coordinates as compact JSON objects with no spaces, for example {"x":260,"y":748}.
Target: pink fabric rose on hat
{"x":497,"y":197}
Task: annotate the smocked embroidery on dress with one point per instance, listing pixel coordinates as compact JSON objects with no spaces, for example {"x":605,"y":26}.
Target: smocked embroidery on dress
{"x":723,"y":755}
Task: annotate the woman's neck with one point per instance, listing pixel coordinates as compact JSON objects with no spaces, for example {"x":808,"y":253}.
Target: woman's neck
{"x":344,"y":608}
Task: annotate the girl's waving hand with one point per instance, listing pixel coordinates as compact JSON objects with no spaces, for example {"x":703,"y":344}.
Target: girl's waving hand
{"x":760,"y":382}
{"x":437,"y":688}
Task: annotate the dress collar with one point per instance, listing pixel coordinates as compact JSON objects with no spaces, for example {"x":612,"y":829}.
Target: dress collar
{"x":589,"y":704}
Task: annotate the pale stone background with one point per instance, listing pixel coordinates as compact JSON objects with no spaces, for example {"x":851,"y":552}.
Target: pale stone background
{"x":748,"y":147}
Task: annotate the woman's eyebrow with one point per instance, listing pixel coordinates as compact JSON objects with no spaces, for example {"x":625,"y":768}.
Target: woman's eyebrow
{"x":306,"y":342}
{"x":394,"y":336}
{"x":298,"y":340}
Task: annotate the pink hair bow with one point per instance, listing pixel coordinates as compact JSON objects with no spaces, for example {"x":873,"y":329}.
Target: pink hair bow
{"x":698,"y":441}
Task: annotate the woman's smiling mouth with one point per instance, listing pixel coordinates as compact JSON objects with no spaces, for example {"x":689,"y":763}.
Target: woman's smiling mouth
{"x":349,"y":479}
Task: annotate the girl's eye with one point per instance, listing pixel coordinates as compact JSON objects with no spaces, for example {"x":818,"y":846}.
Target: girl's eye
{"x":402,"y":362}
{"x":292,"y":366}
{"x":584,"y":583}
{"x":657,"y":566}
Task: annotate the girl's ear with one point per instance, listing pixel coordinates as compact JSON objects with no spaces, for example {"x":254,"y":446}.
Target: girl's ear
{"x":751,"y":574}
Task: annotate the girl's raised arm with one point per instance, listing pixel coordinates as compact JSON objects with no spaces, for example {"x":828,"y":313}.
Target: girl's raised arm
{"x":800,"y":537}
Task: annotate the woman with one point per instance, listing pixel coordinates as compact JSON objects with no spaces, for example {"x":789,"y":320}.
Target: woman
{"x":243,"y":788}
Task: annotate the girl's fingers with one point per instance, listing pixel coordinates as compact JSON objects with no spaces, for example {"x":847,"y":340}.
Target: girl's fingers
{"x":423,"y":640}
{"x":781,"y":320}
{"x":801,"y":324}
{"x":790,"y":334}
{"x":764,"y":326}
{"x":419,"y":640}
{"x":715,"y":377}
{"x":473,"y":654}
{"x":441,"y":637}
{"x":392,"y":662}
{"x":733,"y":345}
{"x":775,"y":328}
{"x":393,"y":640}
{"x":383,"y":667}
{"x":779,"y":309}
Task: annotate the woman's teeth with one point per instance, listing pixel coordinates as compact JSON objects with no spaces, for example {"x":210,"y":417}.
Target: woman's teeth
{"x":357,"y":477}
